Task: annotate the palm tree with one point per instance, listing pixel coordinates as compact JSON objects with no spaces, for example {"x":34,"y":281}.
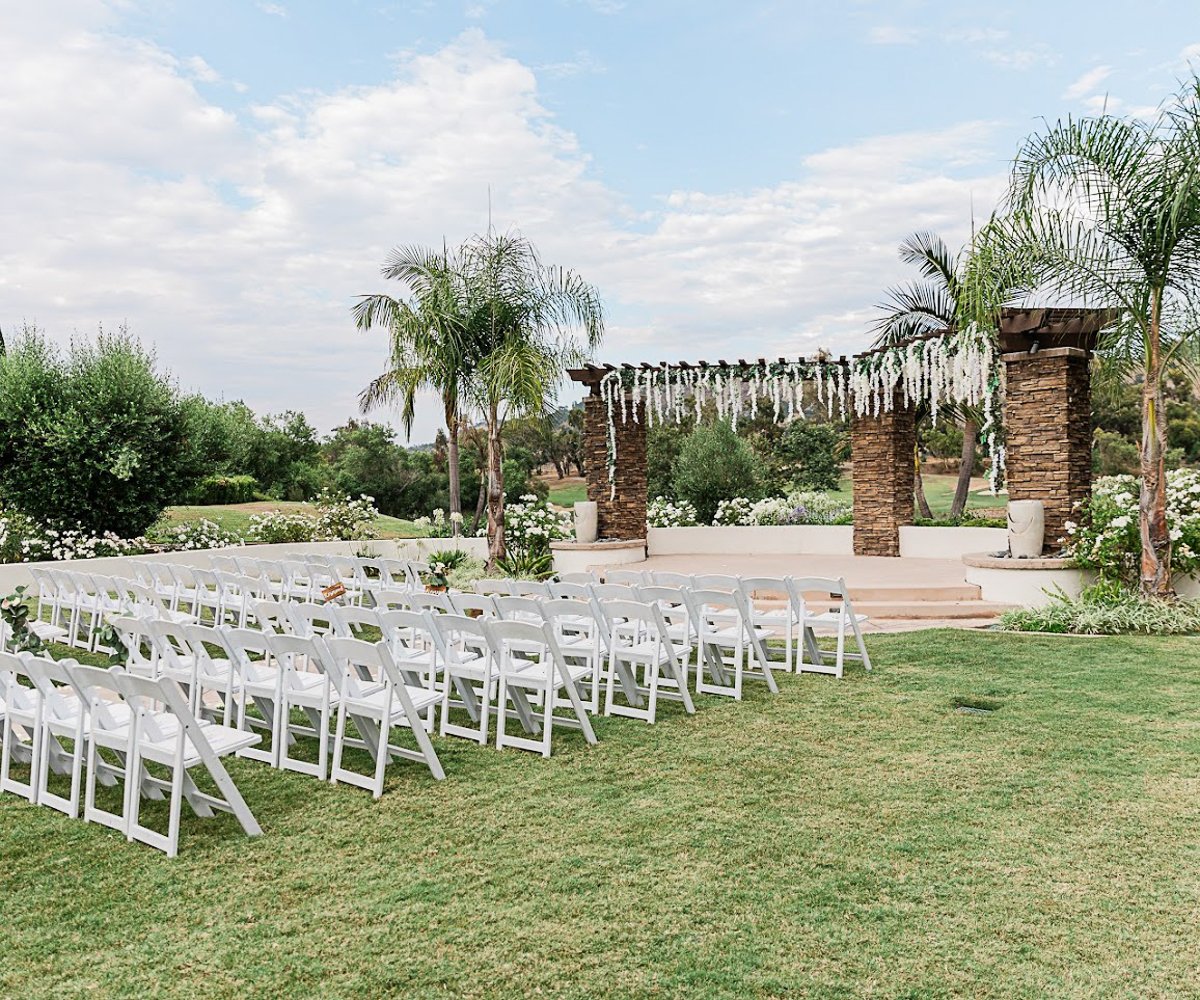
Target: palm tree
{"x":1108,"y":211}
{"x":526,"y":316}
{"x":430,"y":346}
{"x":944,"y":299}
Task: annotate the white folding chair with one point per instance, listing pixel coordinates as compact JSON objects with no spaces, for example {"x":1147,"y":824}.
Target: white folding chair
{"x":470,"y":676}
{"x":375,"y":709}
{"x":643,"y":660}
{"x":64,"y":717}
{"x":179,"y":743}
{"x":837,"y":619}
{"x":581,"y":639}
{"x":779,"y":619}
{"x":475,"y":605}
{"x":307,"y":682}
{"x":260,"y":683}
{"x":625,"y":577}
{"x":543,"y":679}
{"x":22,"y":724}
{"x":727,"y":640}
{"x":580,"y":579}
{"x":494,"y":586}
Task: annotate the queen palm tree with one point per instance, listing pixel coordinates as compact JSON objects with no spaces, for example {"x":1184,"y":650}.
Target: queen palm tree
{"x":955,"y":290}
{"x":430,"y":345}
{"x":1107,"y":210}
{"x":527,"y":317}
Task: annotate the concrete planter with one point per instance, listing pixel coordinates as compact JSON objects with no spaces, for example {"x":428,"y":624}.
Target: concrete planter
{"x":579,"y":557}
{"x":764,"y":540}
{"x":950,"y":543}
{"x":1029,"y":583}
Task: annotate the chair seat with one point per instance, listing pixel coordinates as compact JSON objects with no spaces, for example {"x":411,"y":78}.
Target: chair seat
{"x":833,"y":618}
{"x":373,"y":702}
{"x":536,"y":673}
{"x":223,"y":739}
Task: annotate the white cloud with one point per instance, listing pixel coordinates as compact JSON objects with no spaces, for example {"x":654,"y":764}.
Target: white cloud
{"x":1085,"y":85}
{"x":199,"y":70}
{"x":274,"y":9}
{"x":1024,"y":58}
{"x":891,"y":34}
{"x":238,"y":244}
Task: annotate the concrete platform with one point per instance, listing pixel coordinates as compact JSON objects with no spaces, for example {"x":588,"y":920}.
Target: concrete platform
{"x":896,"y":593}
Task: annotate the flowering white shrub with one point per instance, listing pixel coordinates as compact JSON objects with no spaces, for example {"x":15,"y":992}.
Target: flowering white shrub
{"x":734,"y":512}
{"x":279,"y":526}
{"x":439,"y":526}
{"x":533,"y":522}
{"x":664,"y":513}
{"x":796,"y":508}
{"x":343,"y":518}
{"x":202,"y":534}
{"x":1107,"y":537}
{"x":44,"y":544}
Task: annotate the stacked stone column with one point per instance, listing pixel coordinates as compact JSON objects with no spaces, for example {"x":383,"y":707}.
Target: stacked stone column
{"x":883,"y":455}
{"x":1048,"y":431}
{"x":623,"y":515}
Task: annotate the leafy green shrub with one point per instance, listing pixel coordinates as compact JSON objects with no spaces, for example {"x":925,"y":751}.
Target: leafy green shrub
{"x":463,"y":576}
{"x":213,"y":490}
{"x":93,"y":439}
{"x":810,"y":455}
{"x":1107,"y":608}
{"x":966,"y":521}
{"x":714,"y":464}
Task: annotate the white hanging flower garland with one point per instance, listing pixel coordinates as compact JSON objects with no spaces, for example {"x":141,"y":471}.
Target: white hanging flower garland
{"x":952,"y":368}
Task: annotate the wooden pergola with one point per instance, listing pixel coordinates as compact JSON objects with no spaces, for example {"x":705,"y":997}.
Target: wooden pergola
{"x":1045,"y":355}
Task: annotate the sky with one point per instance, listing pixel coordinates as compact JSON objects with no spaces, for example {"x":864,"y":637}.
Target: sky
{"x":226,"y":176}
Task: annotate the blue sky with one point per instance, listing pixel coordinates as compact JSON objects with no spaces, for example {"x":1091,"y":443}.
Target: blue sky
{"x":226,"y":176}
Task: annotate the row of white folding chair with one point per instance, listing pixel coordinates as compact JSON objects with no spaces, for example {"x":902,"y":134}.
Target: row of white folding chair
{"x":799,"y":621}
{"x":137,"y":721}
{"x":615,"y":645}
{"x":433,"y":649}
{"x":226,"y":670}
{"x":80,"y":602}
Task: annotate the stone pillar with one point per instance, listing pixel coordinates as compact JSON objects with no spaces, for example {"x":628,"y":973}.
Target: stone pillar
{"x":1048,"y":432}
{"x":883,"y":457}
{"x":623,"y":516}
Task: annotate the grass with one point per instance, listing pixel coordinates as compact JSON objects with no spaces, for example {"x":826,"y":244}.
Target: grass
{"x":939,"y":491}
{"x":236,"y":517}
{"x":567,"y":494}
{"x":862,"y":838}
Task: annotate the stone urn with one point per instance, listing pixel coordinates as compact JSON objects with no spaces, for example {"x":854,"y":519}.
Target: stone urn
{"x":587,"y":520}
{"x":1026,"y":528}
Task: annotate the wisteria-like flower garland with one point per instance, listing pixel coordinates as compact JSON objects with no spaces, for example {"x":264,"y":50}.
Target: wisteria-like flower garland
{"x":952,"y":368}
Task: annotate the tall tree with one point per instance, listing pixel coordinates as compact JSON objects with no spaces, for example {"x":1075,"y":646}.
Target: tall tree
{"x":923,"y":307}
{"x":430,"y":348}
{"x":1108,"y":211}
{"x":530,"y":317}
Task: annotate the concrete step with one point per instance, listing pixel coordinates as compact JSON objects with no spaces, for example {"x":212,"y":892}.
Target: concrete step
{"x":902,"y":609}
{"x":940,"y":593}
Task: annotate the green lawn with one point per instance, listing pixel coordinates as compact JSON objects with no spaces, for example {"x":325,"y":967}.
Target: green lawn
{"x":567,"y":495}
{"x":843,"y":839}
{"x":939,"y":491}
{"x":236,"y":517}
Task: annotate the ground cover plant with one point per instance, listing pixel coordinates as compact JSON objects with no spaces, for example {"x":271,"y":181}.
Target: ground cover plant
{"x":985,"y":815}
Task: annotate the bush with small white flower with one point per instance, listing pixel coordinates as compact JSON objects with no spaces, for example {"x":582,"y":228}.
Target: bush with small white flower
{"x":1107,"y":537}
{"x":664,"y":513}
{"x":529,"y":527}
{"x":343,"y":518}
{"x":202,"y":534}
